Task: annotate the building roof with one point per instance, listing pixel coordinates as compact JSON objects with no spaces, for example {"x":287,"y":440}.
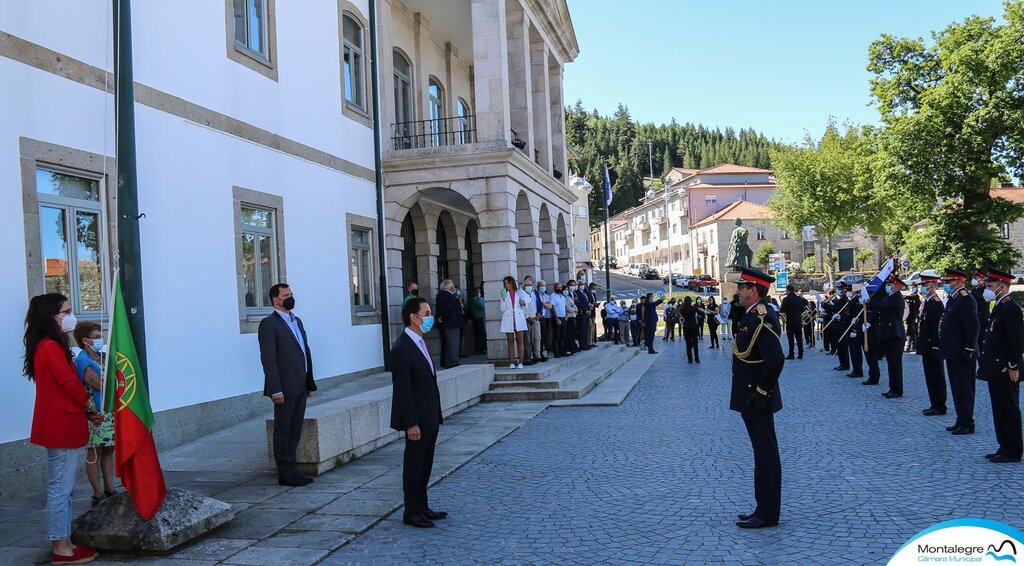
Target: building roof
{"x":699,"y":186}
{"x":1012,"y":194}
{"x":742,"y":209}
{"x":684,"y":170}
{"x":731,"y":168}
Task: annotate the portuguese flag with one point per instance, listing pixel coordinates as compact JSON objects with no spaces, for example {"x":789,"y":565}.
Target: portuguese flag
{"x":126,"y":396}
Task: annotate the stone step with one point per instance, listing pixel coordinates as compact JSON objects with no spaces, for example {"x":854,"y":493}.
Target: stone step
{"x":544,"y":370}
{"x":574,"y":382}
{"x":561,"y":373}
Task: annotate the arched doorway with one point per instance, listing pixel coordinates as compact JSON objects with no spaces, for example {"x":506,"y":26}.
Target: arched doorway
{"x":442,"y":251}
{"x":409,"y":270}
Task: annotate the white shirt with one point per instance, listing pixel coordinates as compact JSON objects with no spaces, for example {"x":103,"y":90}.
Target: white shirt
{"x":418,"y":340}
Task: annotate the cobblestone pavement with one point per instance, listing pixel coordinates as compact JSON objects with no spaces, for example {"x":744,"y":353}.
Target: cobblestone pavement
{"x":659,"y":479}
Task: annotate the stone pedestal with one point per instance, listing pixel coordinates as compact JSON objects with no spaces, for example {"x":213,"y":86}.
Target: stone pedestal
{"x":726,"y":285}
{"x":114,"y":524}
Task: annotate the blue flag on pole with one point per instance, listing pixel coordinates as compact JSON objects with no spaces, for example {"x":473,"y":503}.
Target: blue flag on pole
{"x":607,"y":187}
{"x":878,"y":281}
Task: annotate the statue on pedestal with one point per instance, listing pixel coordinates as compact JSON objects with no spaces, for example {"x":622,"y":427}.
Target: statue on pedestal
{"x":740,"y":253}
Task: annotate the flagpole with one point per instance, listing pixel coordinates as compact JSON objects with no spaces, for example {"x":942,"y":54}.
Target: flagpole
{"x":607,"y":255}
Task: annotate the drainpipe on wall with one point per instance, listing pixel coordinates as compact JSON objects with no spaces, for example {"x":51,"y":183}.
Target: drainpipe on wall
{"x":382,"y":285}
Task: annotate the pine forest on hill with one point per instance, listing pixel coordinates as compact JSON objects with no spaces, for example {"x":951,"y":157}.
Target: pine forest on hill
{"x":621,"y":143}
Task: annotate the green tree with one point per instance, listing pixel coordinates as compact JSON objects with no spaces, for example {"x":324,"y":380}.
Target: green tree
{"x":761,"y":255}
{"x":864,"y":255}
{"x":953,"y":111}
{"x":826,"y":184}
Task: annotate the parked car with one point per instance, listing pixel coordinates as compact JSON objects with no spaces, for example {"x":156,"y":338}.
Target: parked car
{"x":854,"y":279}
{"x":637,"y":269}
{"x":699,"y":282}
{"x":682,"y":281}
{"x":671,"y":277}
{"x":1018,"y":278}
{"x":649,"y":273}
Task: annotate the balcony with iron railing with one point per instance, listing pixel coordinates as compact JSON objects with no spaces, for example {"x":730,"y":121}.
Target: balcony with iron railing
{"x":438,"y":132}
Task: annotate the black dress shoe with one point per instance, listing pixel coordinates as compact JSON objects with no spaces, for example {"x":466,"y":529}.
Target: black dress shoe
{"x":543,"y":359}
{"x":419,"y":521}
{"x":744,"y":516}
{"x":789,"y":357}
{"x":963,"y":430}
{"x":801,"y":356}
{"x":841,"y":368}
{"x":855,"y":374}
{"x":930,"y":412}
{"x":432,"y":515}
{"x":992,"y":455}
{"x":870,"y":382}
{"x":1001,"y":459}
{"x":294,"y":481}
{"x":756,"y":523}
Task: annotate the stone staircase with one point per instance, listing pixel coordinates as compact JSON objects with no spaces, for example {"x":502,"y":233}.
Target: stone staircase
{"x":562,"y":378}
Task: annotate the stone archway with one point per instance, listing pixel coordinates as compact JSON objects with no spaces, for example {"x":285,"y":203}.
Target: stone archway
{"x":548,"y":249}
{"x":528,"y":250}
{"x":564,"y":252}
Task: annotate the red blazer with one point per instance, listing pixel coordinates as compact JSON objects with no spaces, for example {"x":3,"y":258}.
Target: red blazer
{"x":59,"y":419}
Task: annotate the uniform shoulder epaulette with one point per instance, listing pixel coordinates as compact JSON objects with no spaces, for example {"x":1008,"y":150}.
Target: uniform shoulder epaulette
{"x":964,"y":293}
{"x":1006,"y":299}
{"x":761,"y":310}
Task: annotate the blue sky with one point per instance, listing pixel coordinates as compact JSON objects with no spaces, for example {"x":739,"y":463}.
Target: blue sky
{"x":783,"y":67}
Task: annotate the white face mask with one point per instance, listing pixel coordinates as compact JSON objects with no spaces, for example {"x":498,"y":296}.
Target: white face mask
{"x":974,"y":282}
{"x":989,"y":295}
{"x":69,"y":322}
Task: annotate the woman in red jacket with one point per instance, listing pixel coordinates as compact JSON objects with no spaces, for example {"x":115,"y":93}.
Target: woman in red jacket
{"x":59,"y":421}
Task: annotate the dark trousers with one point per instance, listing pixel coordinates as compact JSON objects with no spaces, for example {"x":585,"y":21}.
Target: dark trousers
{"x":479,"y":336}
{"x":634,"y":328}
{"x":809,"y":334}
{"x":545,"y":335}
{"x":872,"y":355}
{"x":288,"y":418}
{"x":934,"y":379}
{"x":795,"y":333}
{"x":452,"y":340}
{"x":612,"y":330}
{"x":713,"y":332}
{"x":416,"y":466}
{"x":670,"y":330}
{"x":893,"y":350}
{"x":767,"y":465}
{"x":843,"y":348}
{"x":582,"y":331}
{"x":558,"y":336}
{"x":855,"y":344}
{"x":569,"y":336}
{"x":912,"y":332}
{"x":1005,"y":396}
{"x":961,"y":386}
{"x":650,"y":329}
{"x":692,"y":348}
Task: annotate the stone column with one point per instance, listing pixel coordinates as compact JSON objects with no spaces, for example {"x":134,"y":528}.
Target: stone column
{"x":490,"y":71}
{"x":521,"y":103}
{"x":559,"y":157}
{"x":549,"y":263}
{"x":541,"y":99}
{"x":528,"y":256}
{"x":499,"y":241}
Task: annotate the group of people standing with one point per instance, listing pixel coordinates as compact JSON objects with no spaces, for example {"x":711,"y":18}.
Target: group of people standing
{"x":538,"y":320}
{"x":690,"y":315}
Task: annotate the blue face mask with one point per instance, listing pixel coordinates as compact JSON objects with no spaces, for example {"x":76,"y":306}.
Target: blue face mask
{"x":528,"y":288}
{"x":542,"y":289}
{"x":888,"y":289}
{"x":565,"y":292}
{"x":428,"y":323}
{"x":947,"y":288}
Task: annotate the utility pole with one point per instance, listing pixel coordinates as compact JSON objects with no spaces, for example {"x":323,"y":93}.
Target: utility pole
{"x":665,"y":219}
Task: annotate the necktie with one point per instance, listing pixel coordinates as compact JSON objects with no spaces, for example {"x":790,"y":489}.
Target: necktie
{"x":423,"y":348}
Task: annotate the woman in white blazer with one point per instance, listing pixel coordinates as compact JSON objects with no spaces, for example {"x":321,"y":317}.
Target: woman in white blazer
{"x":513,"y":319}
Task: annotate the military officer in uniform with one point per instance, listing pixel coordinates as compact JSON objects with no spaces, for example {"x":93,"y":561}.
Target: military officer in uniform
{"x":1000,"y":365}
{"x":928,"y":345}
{"x":891,"y":334}
{"x":874,"y":347}
{"x":958,"y":333}
{"x":840,"y":320}
{"x":756,"y":364}
{"x":793,"y":307}
{"x":854,"y":339}
{"x":978,"y":292}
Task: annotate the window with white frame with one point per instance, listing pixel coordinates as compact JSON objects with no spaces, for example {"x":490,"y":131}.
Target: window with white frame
{"x":71,"y":224}
{"x":710,"y":200}
{"x":259,"y":257}
{"x":251,"y":26}
{"x":1006,"y":231}
{"x":760,"y":233}
{"x":436,"y":109}
{"x":785,"y":235}
{"x":403,"y":101}
{"x":352,"y":61}
{"x":462,"y":122}
{"x":361,"y":270}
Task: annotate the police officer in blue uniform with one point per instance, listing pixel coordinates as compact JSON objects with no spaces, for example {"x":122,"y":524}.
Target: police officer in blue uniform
{"x":757,"y":362}
{"x":928,"y":345}
{"x":958,"y":332}
{"x":892,"y":335}
{"x":840,"y":320}
{"x":1000,"y":365}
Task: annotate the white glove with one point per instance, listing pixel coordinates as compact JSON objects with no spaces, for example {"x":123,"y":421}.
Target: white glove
{"x":853,"y":335}
{"x":866,"y":326}
{"x":836,"y":316}
{"x":820,"y":320}
{"x":821,"y":309}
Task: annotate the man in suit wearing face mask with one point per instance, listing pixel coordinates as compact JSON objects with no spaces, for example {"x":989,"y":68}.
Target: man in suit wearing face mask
{"x":958,"y":340}
{"x":288,"y":379}
{"x":416,"y":410}
{"x":1001,"y":359}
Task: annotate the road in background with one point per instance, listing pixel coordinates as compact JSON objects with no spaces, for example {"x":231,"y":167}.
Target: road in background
{"x":626,"y":287}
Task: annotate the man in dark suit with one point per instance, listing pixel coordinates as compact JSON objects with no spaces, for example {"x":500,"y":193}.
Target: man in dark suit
{"x":841,"y":319}
{"x":793,"y":307}
{"x":852,"y":325}
{"x":958,"y":339}
{"x":1000,"y":365}
{"x":892,"y":335}
{"x":580,"y":295}
{"x":416,"y":410}
{"x":928,"y":345}
{"x":288,"y":379}
{"x":978,"y":292}
{"x":650,"y":321}
{"x":451,"y":320}
{"x":757,"y":362}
